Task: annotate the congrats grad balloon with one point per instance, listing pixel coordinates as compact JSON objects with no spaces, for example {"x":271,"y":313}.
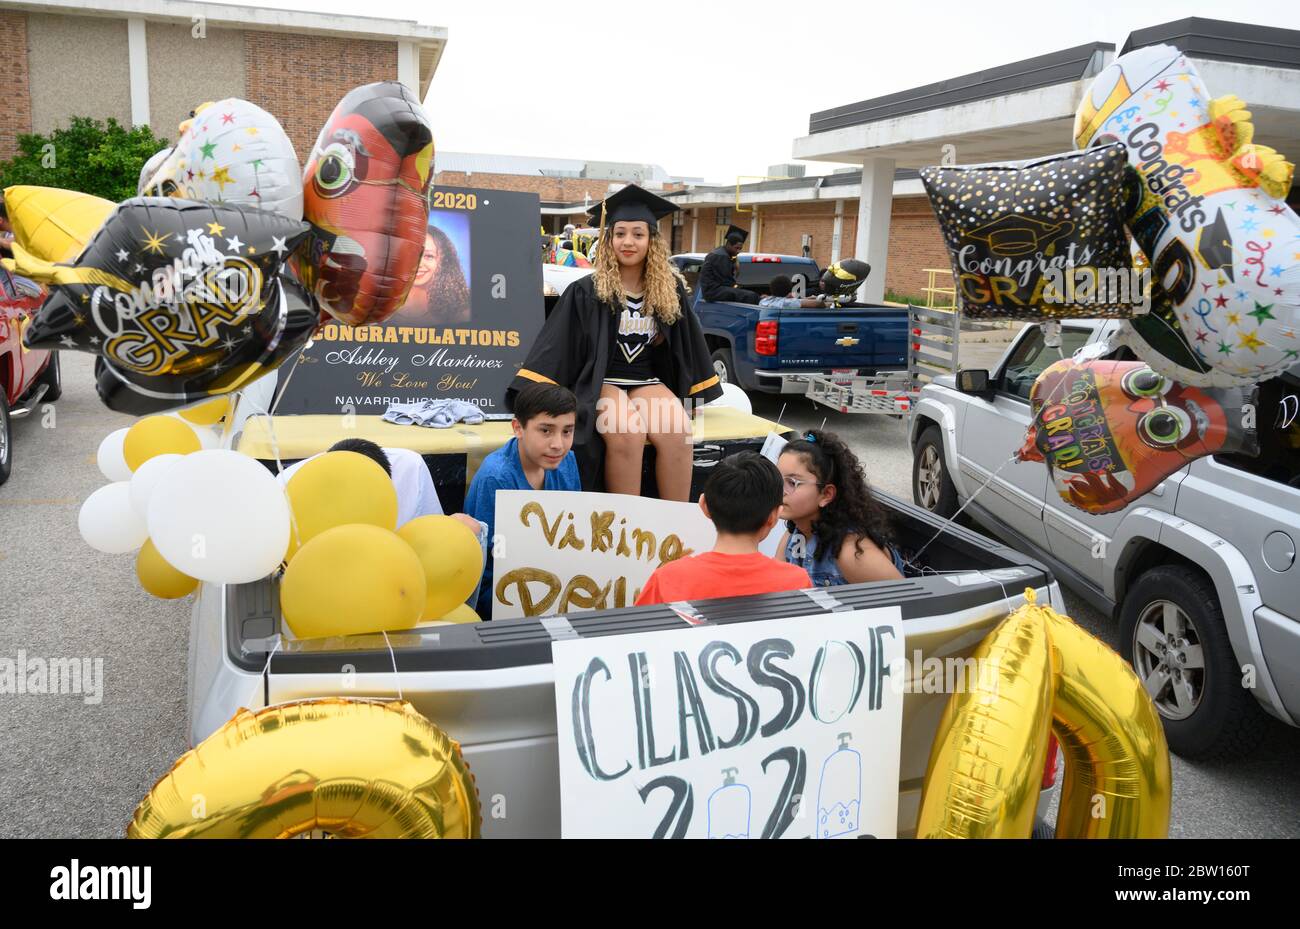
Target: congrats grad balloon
{"x":1110,"y":431}
{"x":366,"y":195}
{"x":1036,"y":240}
{"x":170,"y":289}
{"x":1207,"y":206}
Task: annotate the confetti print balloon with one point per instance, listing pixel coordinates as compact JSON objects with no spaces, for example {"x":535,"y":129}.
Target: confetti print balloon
{"x":1206,"y":204}
{"x":1039,"y":239}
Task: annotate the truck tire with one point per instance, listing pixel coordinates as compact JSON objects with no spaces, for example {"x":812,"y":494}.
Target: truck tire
{"x":932,"y":486}
{"x":6,"y":438}
{"x":724,"y":367}
{"x":1207,"y":713}
{"x":52,"y":378}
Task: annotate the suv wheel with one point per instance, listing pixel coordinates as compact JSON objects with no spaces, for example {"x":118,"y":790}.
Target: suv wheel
{"x":6,"y":438}
{"x":1172,"y":632}
{"x":932,"y":487}
{"x":723,"y":366}
{"x":52,"y":378}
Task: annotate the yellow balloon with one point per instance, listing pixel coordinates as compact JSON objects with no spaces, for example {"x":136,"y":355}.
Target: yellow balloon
{"x":158,"y":435}
{"x":339,"y":489}
{"x":352,"y":768}
{"x":461,"y":614}
{"x":206,"y":414}
{"x":158,"y":577}
{"x":350,"y":580}
{"x":52,"y":224}
{"x":452,"y":559}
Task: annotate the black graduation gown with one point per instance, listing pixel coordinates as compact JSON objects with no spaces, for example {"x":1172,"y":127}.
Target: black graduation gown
{"x":718,"y":275}
{"x":573,"y":350}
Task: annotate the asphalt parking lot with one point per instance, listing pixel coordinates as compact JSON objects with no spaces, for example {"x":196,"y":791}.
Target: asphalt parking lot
{"x":77,"y":769}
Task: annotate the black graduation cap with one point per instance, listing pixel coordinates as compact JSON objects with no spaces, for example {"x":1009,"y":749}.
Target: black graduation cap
{"x":631,"y":204}
{"x":736,"y":230}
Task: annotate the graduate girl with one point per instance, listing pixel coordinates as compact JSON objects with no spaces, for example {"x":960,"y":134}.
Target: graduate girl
{"x":835,"y":529}
{"x":627,"y":343}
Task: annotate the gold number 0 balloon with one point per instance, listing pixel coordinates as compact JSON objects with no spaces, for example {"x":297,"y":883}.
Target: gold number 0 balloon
{"x":987,"y":761}
{"x":353,"y":768}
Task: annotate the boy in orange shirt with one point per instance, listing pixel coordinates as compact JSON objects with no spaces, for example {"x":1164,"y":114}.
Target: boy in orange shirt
{"x":742,"y":497}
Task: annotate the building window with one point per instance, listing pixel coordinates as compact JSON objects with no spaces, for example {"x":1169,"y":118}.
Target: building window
{"x":724,"y":216}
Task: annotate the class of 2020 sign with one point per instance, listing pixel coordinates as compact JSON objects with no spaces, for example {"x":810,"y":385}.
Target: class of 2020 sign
{"x":474,"y":308}
{"x":781,"y":728}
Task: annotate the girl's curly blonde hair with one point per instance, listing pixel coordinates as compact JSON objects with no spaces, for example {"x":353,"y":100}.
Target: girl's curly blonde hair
{"x":662,"y":279}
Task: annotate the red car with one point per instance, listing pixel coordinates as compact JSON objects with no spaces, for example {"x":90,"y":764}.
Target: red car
{"x":27,"y":377}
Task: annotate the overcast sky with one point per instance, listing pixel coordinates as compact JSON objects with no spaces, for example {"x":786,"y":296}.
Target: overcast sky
{"x":718,"y":89}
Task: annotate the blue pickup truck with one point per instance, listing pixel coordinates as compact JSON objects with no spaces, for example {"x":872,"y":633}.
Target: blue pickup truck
{"x":768,"y":350}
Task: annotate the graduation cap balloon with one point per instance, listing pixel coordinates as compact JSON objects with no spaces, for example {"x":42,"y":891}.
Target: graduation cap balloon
{"x":273,"y":338}
{"x":366,"y":195}
{"x":1041,"y":239}
{"x":844,"y":277}
{"x":167,"y":287}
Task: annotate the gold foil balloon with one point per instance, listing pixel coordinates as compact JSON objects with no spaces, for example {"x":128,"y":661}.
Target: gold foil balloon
{"x":51,"y":224}
{"x":350,"y":580}
{"x":1037,"y":670}
{"x":352,"y":768}
{"x":986,"y":764}
{"x":337,"y":489}
{"x":452,"y":560}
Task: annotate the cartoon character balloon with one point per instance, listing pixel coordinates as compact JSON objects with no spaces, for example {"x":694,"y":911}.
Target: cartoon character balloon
{"x":366,"y":195}
{"x":1207,"y":206}
{"x":150,"y":169}
{"x":1110,"y":431}
{"x":174,"y":293}
{"x":233,"y":152}
{"x":1040,"y":239}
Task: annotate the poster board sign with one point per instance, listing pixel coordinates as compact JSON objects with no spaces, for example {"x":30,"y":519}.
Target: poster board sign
{"x":570,"y":551}
{"x":783,"y":728}
{"x":473,"y":312}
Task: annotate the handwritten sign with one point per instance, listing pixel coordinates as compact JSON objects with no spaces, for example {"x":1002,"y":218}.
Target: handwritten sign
{"x":565,"y":551}
{"x":784,"y":728}
{"x":474,"y":309}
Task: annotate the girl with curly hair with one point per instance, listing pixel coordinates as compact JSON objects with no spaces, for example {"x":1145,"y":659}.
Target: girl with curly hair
{"x":627,"y":343}
{"x":835,"y":529}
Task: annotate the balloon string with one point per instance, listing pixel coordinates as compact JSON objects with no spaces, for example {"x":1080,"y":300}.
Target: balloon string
{"x":948,"y":522}
{"x":275,"y":450}
{"x":266,"y":671}
{"x":396,"y":677}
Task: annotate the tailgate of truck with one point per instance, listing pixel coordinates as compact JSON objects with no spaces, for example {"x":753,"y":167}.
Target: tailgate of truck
{"x":851,"y":338}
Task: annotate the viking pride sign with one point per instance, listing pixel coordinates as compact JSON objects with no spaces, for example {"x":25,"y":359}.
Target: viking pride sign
{"x":566,"y":551}
{"x":464,"y":330}
{"x":784,"y":728}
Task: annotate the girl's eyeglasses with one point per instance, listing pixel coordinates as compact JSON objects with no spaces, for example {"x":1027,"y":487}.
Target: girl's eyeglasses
{"x":792,"y":484}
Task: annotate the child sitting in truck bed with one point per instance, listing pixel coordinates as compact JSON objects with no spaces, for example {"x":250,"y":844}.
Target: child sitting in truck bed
{"x":743,"y":498}
{"x":835,"y":528}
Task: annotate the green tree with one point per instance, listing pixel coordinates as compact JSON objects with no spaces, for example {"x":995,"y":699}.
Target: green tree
{"x":86,"y":155}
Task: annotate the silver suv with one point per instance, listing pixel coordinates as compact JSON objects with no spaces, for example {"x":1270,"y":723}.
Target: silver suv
{"x":1200,"y":573}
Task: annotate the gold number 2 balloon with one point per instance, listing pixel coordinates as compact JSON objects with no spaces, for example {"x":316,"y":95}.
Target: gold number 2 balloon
{"x":351,"y":768}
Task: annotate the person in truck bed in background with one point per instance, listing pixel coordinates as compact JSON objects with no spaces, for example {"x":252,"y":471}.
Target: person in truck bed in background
{"x":780,"y":298}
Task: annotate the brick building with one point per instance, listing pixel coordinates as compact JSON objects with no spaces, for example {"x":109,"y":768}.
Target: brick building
{"x":152,"y":61}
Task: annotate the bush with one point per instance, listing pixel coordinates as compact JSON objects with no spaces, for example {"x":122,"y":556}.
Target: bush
{"x":87,"y":155}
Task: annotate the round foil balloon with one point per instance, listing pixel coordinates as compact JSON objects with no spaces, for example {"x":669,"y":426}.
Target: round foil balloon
{"x":1207,"y":205}
{"x":352,"y":768}
{"x":1039,"y":239}
{"x":1110,"y":431}
{"x":366,"y":195}
{"x":51,"y":224}
{"x":234,"y":152}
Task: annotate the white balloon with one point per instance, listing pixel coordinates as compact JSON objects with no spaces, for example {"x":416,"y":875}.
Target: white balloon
{"x":734,"y":397}
{"x":146,"y":478}
{"x":112,"y":464}
{"x":108,"y":523}
{"x":219,"y":516}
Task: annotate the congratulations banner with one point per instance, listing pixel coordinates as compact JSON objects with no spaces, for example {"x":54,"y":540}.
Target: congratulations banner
{"x":474,"y":309}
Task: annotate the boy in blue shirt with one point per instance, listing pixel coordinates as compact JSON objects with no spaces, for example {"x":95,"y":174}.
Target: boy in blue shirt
{"x":539,"y":457}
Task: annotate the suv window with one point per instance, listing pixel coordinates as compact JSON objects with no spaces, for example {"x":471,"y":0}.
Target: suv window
{"x":1032,"y":357}
{"x":1279,"y":433}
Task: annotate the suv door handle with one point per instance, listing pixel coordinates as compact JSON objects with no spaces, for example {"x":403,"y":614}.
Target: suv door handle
{"x":1158,"y":490}
{"x":847,"y":327}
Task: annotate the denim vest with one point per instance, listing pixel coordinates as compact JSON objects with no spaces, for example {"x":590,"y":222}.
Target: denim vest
{"x":820,"y":565}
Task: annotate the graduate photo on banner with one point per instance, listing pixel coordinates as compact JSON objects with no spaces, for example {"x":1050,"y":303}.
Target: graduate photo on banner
{"x":474,"y":309}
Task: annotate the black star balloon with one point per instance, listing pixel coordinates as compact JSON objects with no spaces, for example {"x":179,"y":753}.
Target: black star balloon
{"x":1041,"y":239}
{"x":256,"y":348}
{"x":167,"y":287}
